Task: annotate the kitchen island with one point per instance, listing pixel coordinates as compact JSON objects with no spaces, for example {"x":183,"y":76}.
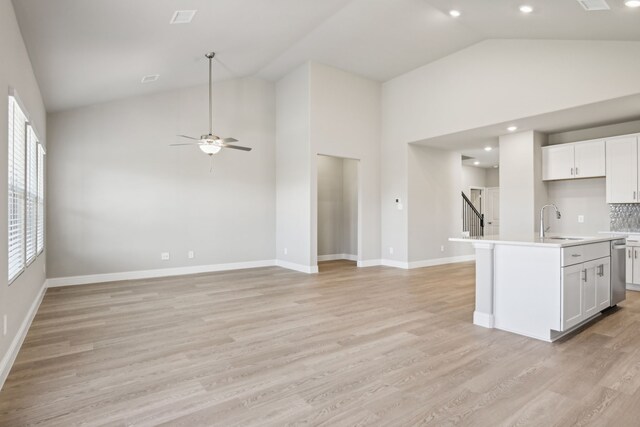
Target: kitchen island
{"x":542,"y":288}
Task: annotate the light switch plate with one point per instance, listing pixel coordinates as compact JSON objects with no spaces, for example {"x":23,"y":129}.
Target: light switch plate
{"x":164,"y":256}
{"x":580,"y":219}
{"x":191,"y":255}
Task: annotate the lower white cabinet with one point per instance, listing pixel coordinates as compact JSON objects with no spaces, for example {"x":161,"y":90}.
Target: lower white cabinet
{"x":586,"y":290}
{"x":633,"y":264}
{"x":603,"y":283}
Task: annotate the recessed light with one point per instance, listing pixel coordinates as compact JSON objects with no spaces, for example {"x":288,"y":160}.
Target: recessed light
{"x":454,"y":13}
{"x":488,"y":148}
{"x":476,"y":163}
{"x":182,"y":16}
{"x":512,"y":128}
{"x":150,"y":78}
{"x":526,"y":9}
{"x":632,"y":3}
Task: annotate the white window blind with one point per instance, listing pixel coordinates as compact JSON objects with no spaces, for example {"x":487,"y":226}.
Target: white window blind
{"x":40,"y":213}
{"x":31,"y":194}
{"x":16,"y":215}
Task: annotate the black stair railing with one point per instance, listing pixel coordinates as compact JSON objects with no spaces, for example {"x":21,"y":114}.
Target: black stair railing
{"x":472,"y":220}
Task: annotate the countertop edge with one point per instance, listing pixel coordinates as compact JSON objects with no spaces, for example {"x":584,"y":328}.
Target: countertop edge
{"x":532,"y":242}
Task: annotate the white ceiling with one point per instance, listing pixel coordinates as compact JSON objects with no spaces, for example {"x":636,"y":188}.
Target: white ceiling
{"x":86,"y":52}
{"x":486,"y":159}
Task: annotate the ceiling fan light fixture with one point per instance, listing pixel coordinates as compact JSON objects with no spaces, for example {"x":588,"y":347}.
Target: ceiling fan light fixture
{"x":210,"y":149}
{"x":632,"y":3}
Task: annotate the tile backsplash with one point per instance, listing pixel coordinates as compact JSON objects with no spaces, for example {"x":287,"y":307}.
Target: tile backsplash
{"x":624,"y":217}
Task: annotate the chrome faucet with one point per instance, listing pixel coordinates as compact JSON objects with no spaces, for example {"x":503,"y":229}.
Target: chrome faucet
{"x":558,"y":215}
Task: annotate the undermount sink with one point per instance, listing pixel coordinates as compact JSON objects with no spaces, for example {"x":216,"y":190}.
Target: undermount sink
{"x":564,"y":238}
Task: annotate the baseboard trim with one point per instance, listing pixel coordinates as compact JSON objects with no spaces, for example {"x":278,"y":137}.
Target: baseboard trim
{"x":396,"y":264}
{"x":483,"y":319}
{"x":441,"y":261}
{"x":10,"y":356}
{"x":309,"y":269}
{"x":427,"y":262}
{"x":334,"y":257}
{"x":370,"y":263}
{"x":149,"y":274}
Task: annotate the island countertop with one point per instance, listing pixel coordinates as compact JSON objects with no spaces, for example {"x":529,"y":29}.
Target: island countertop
{"x":551,"y":241}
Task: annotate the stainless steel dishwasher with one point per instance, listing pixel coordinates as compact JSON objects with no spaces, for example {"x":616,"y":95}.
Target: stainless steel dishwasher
{"x":618,"y":271}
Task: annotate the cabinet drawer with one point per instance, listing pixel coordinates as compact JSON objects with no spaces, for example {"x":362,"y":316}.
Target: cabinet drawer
{"x":582,"y":253}
{"x":572,"y":255}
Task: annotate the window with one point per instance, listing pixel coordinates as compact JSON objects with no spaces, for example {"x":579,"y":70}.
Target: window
{"x":40,"y":213}
{"x":17,"y":130}
{"x":25,"y":191}
{"x":32,"y":194}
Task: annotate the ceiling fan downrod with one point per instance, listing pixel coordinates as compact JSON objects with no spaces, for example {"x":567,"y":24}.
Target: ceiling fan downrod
{"x":210,"y":56}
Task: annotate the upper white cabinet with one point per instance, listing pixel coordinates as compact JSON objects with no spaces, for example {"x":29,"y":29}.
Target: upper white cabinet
{"x":575,"y":160}
{"x":590,"y":159}
{"x":622,"y":169}
{"x":558,"y":162}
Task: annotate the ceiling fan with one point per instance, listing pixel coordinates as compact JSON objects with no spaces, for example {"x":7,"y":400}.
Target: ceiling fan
{"x":210,"y":143}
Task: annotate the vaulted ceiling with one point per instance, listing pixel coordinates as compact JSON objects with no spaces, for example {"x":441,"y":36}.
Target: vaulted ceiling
{"x":87,"y":52}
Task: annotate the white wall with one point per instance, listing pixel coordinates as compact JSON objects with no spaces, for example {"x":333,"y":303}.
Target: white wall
{"x":595,"y":132}
{"x":585,"y":197}
{"x":119,"y":195}
{"x":345,"y":122}
{"x":16,"y":72}
{"x":473,"y":177}
{"x":522,"y":192}
{"x":481,"y":86}
{"x":492,"y":177}
{"x":350,"y":206}
{"x":293,"y":168}
{"x":323,"y":110}
{"x":337,"y":206}
{"x":435,"y":182}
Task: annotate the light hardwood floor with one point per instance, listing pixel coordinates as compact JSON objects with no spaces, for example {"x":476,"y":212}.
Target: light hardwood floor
{"x":370,"y":346}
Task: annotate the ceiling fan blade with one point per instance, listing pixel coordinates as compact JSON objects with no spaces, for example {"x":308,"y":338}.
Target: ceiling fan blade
{"x":185,"y":143}
{"x":237,"y":147}
{"x":189,"y":137}
{"x":229,"y":140}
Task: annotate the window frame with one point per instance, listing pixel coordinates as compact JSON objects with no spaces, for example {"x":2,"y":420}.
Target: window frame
{"x":29,"y":126}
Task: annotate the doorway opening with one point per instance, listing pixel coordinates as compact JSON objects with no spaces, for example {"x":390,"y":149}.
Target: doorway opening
{"x":480,"y":197}
{"x":337,"y":212}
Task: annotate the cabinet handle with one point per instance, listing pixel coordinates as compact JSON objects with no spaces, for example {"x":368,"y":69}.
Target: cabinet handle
{"x":576,"y":171}
{"x":601,"y":270}
{"x":571,"y":171}
{"x":635,"y":253}
{"x":585,"y":274}
{"x":629,"y":253}
{"x":575,"y":255}
{"x":634,"y":195}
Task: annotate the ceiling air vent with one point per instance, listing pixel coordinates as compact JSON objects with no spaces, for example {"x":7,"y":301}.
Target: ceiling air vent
{"x":592,"y":5}
{"x":182,"y":16}
{"x":150,"y":78}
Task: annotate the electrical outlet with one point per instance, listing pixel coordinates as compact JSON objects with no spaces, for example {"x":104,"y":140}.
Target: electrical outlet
{"x":442,"y":248}
{"x":286,"y":251}
{"x":390,"y":250}
{"x":191,"y":255}
{"x":580,"y":219}
{"x":164,"y":256}
{"x":4,"y":325}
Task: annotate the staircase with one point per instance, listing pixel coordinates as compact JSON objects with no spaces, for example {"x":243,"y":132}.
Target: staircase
{"x":472,"y":220}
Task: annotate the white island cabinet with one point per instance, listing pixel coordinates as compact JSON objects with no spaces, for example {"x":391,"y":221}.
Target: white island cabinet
{"x":540,"y":288}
